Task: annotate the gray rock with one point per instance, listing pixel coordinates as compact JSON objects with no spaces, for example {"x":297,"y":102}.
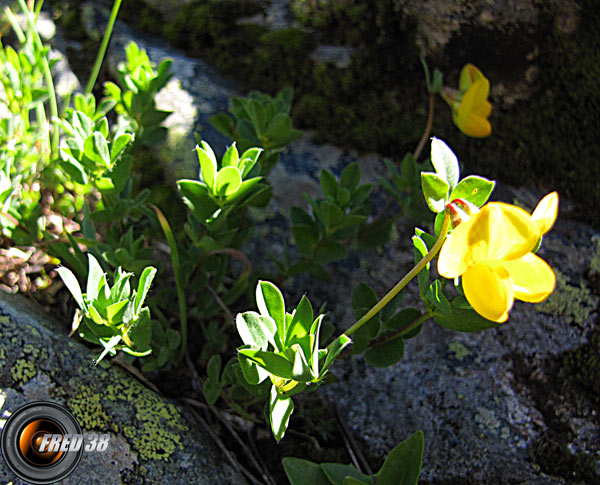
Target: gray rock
{"x":277,"y":15}
{"x":338,"y":55}
{"x":152,"y":438}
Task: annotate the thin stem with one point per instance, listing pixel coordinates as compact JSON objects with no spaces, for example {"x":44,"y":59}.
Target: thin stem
{"x":427,"y":131}
{"x":103,"y":46}
{"x":15,"y":25}
{"x":404,"y":281}
{"x":178,"y":280}
{"x":47,"y":77}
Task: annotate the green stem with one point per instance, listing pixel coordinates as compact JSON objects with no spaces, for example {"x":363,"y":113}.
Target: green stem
{"x":178,"y":280}
{"x":404,"y":281}
{"x":103,"y":46}
{"x":15,"y":25}
{"x":47,"y":77}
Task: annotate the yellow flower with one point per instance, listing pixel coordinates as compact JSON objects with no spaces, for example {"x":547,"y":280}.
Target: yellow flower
{"x":470,"y":107}
{"x":492,"y":253}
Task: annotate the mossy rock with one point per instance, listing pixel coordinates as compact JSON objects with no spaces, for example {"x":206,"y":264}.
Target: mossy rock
{"x":150,"y":437}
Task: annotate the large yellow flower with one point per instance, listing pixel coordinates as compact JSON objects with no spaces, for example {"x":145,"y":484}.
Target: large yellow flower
{"x":492,"y":251}
{"x":470,"y":107}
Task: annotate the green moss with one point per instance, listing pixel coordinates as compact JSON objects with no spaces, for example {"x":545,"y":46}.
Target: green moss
{"x":459,"y":350}
{"x":575,"y":303}
{"x":23,"y":370}
{"x":154,"y":433}
{"x":595,"y":262}
{"x":89,"y":412}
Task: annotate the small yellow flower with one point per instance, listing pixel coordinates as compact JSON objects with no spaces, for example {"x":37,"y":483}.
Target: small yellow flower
{"x":470,"y":107}
{"x":492,"y":251}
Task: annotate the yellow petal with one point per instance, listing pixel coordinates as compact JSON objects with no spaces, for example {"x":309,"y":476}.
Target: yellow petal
{"x":454,"y":256}
{"x":533,"y":278}
{"x":469,"y":75}
{"x":489,"y":290}
{"x":545,"y":213}
{"x":510,"y":232}
{"x":472,"y":125}
{"x":471,"y":117}
{"x":483,"y":109}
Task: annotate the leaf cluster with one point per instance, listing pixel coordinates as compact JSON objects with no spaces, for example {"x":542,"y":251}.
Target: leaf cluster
{"x":323,"y":236}
{"x":283,"y":347}
{"x":260,"y":121}
{"x":134,"y":96}
{"x":116,"y":317}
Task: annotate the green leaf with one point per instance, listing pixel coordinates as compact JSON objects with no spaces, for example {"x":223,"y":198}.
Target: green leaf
{"x":464,"y":320}
{"x":301,"y":321}
{"x":120,"y":172}
{"x":343,"y":197}
{"x":143,"y":287}
{"x":114,"y":312}
{"x":223,"y":124}
{"x":350,"y":176}
{"x":252,"y":373}
{"x":119,"y":145}
{"x":385,"y":354}
{"x":423,"y":276}
{"x":72,"y":285}
{"x":330,"y":251}
{"x":246,"y":189}
{"x":73,"y":168}
{"x":279,"y":128}
{"x":273,"y":363}
{"x":255,"y":330}
{"x":301,"y":370}
{"x":361,"y":194}
{"x":435,"y":191}
{"x":248,"y":160}
{"x":101,"y":148}
{"x":337,"y":472}
{"x":329,"y":184}
{"x":306,"y":238}
{"x":476,"y":190}
{"x":270,"y":302}
{"x":355,"y":481}
{"x":231,"y":157}
{"x":280,"y":410}
{"x":445,"y":162}
{"x":363,"y":298}
{"x":303,"y":472}
{"x":140,"y":332}
{"x":402,"y":319}
{"x":299,"y":216}
{"x":94,"y":314}
{"x":333,"y":350}
{"x":438,"y":298}
{"x":212,"y":385}
{"x":208,"y":165}
{"x":195,"y":196}
{"x":228,"y":181}
{"x":402,"y":466}
{"x":95,"y":273}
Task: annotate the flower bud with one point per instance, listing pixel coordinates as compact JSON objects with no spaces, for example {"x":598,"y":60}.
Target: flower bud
{"x":460,"y":211}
